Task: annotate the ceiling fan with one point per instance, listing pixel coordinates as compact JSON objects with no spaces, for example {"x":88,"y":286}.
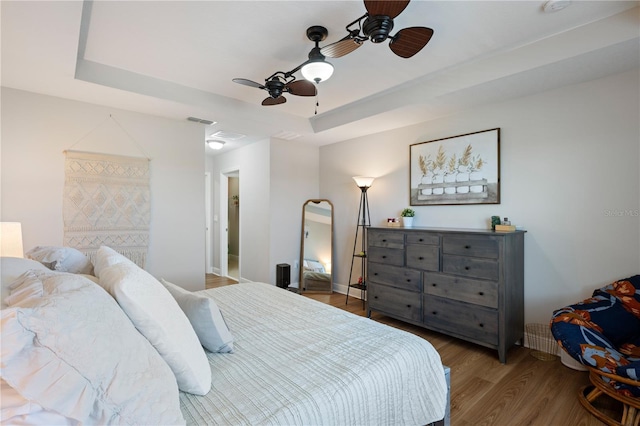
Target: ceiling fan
{"x":279,"y":83}
{"x":376,"y":25}
{"x":285,"y":82}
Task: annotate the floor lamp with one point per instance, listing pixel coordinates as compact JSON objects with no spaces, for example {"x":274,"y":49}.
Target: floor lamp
{"x":364,"y":221}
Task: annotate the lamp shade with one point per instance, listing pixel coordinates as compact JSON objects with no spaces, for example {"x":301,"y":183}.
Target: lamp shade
{"x":363,"y":181}
{"x":11,"y":239}
{"x":317,"y":70}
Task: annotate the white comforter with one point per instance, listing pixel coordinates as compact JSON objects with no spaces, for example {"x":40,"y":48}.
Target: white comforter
{"x":301,"y":362}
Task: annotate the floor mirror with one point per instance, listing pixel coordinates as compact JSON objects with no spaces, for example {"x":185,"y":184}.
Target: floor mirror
{"x":316,"y":247}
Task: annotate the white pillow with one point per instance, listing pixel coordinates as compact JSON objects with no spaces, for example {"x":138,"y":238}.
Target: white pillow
{"x":315,"y":266}
{"x":63,"y":259}
{"x":73,"y":351}
{"x":205,"y":317}
{"x":10,"y":269}
{"x":105,"y":257}
{"x":158,"y":317}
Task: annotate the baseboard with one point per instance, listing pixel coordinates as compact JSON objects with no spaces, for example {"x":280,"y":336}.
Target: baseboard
{"x":342,"y":289}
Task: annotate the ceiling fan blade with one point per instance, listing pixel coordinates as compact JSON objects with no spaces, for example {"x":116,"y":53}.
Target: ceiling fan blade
{"x":249,"y":83}
{"x":341,"y":47}
{"x":390,"y":8}
{"x":277,"y":101}
{"x":302,"y":88}
{"x":409,"y":41}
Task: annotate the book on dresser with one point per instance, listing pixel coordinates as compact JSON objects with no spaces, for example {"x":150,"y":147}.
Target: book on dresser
{"x":466,"y":283}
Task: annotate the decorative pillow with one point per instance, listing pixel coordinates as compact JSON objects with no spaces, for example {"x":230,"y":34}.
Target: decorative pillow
{"x":105,"y":257}
{"x":74,"y":352}
{"x":63,"y":259}
{"x":10,"y":269}
{"x":205,"y":317}
{"x":158,"y":317}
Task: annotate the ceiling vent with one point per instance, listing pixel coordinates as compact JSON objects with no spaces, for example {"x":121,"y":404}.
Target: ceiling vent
{"x":229,"y":136}
{"x":555,"y":5}
{"x":200,"y":120}
{"x":288,"y":136}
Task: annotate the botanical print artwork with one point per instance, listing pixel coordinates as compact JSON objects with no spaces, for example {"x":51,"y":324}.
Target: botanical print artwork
{"x":461,"y":169}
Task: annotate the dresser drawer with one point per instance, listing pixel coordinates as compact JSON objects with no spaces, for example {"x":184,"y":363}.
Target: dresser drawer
{"x":388,"y":256}
{"x":423,"y":238}
{"x":469,"y":245}
{"x":426,"y":258}
{"x":395,"y":276}
{"x":471,"y":267}
{"x":478,"y":292}
{"x":475,"y":322}
{"x":394,"y":301}
{"x":386,"y":239}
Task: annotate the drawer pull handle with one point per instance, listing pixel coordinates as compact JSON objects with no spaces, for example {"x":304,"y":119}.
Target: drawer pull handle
{"x":481,"y":293}
{"x":375,"y":297}
{"x":466,"y":268}
{"x":434,"y":284}
{"x":375,"y":273}
{"x":384,"y":257}
{"x":408,"y":306}
{"x":467,"y":247}
{"x":421,"y":240}
{"x":435,"y":312}
{"x":384,"y":241}
{"x":481,"y":325}
{"x":408,"y":280}
{"x":421,"y":258}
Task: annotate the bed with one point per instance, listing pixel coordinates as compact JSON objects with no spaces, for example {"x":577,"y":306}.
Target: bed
{"x":315,"y":279}
{"x":286,"y":360}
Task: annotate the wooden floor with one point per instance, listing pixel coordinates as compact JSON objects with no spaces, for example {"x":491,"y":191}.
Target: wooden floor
{"x":525,"y":391}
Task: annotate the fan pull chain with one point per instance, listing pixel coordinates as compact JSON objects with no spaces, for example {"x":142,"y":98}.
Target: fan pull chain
{"x":317,"y":104}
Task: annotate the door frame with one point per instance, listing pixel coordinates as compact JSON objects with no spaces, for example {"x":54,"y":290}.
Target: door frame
{"x":208,"y":261}
{"x":224,"y":222}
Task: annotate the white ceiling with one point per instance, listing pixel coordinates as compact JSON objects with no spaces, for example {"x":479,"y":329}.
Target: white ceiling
{"x":177,"y":59}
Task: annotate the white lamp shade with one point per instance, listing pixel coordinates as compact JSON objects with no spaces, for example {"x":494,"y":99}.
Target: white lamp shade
{"x":11,"y":239}
{"x":363,"y":181}
{"x":317,"y":71}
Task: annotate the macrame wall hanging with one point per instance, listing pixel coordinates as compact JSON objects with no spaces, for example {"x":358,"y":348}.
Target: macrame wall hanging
{"x":107,"y":201}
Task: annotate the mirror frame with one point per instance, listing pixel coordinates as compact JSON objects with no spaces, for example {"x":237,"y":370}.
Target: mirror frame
{"x":301,"y":264}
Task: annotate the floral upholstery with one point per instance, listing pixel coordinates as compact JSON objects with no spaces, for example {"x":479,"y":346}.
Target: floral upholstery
{"x":603,"y":331}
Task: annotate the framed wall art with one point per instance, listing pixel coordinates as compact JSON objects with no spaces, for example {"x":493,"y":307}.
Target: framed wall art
{"x":462,"y":169}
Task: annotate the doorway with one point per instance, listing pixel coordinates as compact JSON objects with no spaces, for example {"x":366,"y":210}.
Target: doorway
{"x":230,"y":219}
{"x":233,"y":217}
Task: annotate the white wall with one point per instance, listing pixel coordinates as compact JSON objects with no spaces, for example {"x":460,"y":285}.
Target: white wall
{"x":276,"y":178}
{"x":253,"y":163}
{"x":36,"y":129}
{"x":294,"y":180}
{"x":569,"y":175}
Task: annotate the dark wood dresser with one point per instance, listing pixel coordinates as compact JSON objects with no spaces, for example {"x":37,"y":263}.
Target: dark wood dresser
{"x":466,"y":283}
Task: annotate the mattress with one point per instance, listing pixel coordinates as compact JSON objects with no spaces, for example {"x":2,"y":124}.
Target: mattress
{"x":299,"y":361}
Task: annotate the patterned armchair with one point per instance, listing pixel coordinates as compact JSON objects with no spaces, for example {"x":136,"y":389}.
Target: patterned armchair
{"x":603,"y":333}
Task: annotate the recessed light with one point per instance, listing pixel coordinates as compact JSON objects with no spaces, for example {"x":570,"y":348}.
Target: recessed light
{"x":215,"y":144}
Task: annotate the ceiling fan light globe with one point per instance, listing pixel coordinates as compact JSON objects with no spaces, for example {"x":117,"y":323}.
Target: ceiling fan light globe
{"x":317,"y":71}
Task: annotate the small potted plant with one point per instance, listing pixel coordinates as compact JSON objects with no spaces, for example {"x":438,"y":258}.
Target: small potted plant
{"x":407,"y":217}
